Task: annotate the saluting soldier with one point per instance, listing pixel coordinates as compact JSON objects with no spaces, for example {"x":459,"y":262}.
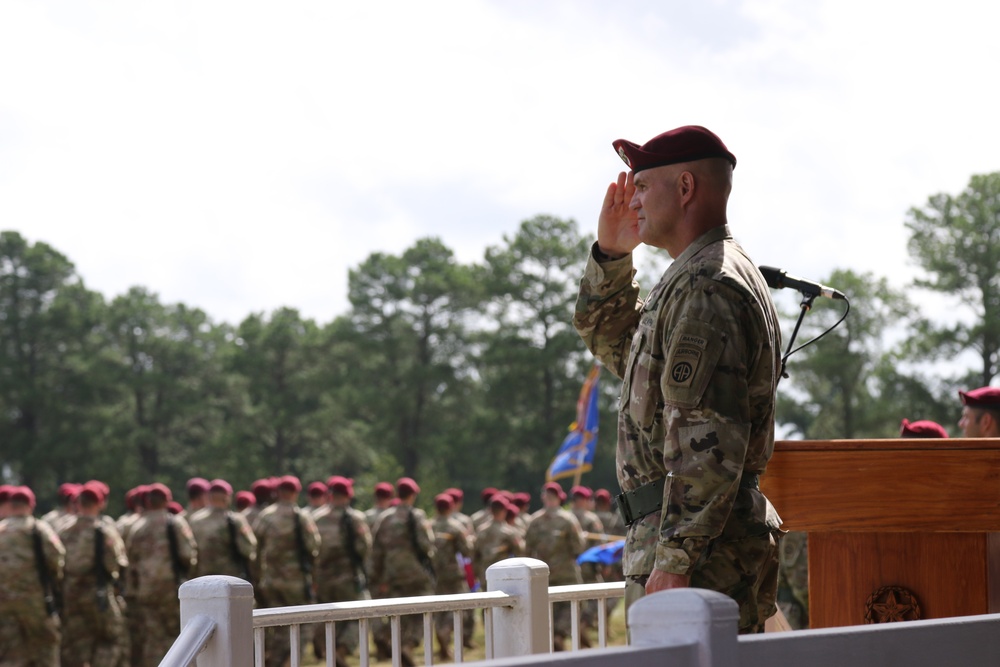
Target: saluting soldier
{"x":554,"y":536}
{"x":226,"y":543}
{"x":288,"y":544}
{"x":31,"y":572}
{"x":93,"y":622}
{"x":161,"y":555}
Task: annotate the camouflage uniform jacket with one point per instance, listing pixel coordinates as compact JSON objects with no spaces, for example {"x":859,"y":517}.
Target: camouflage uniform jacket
{"x":394,"y":559}
{"x":20,"y":586}
{"x":371,"y":516}
{"x":612,"y":522}
{"x":278,"y":548}
{"x":79,"y":537}
{"x":700,"y":361}
{"x":151,"y":566}
{"x":226,"y":544}
{"x":335,"y":558}
{"x":589,"y":523}
{"x":451,"y":541}
{"x":496,"y":541}
{"x":554,"y":536}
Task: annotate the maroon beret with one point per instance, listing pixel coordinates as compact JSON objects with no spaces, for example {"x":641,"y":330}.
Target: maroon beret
{"x":394,"y":502}
{"x":456,"y":494}
{"x":384,"y":490}
{"x":683,"y":144}
{"x":498,"y":502}
{"x":175,"y":507}
{"x":290,"y":483}
{"x":69,"y":491}
{"x":244,"y":499}
{"x":486,"y":494}
{"x":221,"y":486}
{"x":581,"y":492}
{"x":512,"y":512}
{"x":921,"y":429}
{"x":603,"y":495}
{"x":105,"y":489}
{"x":5,"y":491}
{"x":23,"y":494}
{"x":342,"y":486}
{"x":522,"y":499}
{"x":197,"y":484}
{"x":316,"y":489}
{"x":443,"y":502}
{"x":161,"y":489}
{"x":407,"y":484}
{"x":92,"y":492}
{"x":984,"y":397}
{"x":555,"y":489}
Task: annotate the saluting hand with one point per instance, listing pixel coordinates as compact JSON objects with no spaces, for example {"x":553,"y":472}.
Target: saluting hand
{"x":618,"y":225}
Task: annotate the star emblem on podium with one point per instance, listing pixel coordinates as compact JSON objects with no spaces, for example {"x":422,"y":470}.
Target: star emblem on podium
{"x":891,"y":604}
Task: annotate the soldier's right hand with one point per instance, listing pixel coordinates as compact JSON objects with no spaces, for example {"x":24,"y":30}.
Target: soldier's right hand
{"x":618,"y":224}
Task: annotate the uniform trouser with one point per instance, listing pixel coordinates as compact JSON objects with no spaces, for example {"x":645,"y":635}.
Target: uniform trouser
{"x":591,"y":574}
{"x":444,"y":622}
{"x":562,"y":615}
{"x":92,"y":636}
{"x":159,"y":621}
{"x":745,"y":569}
{"x":29,"y":637}
{"x":277,"y":641}
{"x":345,"y":590}
{"x":412,"y":626}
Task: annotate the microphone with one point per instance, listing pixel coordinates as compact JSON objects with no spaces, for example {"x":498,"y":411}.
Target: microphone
{"x":778,"y":279}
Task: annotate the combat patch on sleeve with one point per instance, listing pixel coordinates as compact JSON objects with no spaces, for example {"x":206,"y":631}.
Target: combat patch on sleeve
{"x":692,"y":353}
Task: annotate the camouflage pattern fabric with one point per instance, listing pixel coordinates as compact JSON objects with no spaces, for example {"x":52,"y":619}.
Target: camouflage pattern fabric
{"x":700,"y":361}
{"x":396,"y":568}
{"x":93,"y":621}
{"x":337,"y":578}
{"x":554,"y":536}
{"x":793,"y":579}
{"x":496,"y":541}
{"x":452,"y":543}
{"x":613,"y":525}
{"x":212,"y":533}
{"x":282,"y":581}
{"x":589,"y":572}
{"x":151,"y":572}
{"x":28,"y":634}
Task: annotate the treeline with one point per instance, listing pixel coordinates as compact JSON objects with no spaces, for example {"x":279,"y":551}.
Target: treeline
{"x":457,"y":374}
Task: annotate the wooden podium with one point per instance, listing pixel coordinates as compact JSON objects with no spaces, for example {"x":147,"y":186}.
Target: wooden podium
{"x":895,"y":526}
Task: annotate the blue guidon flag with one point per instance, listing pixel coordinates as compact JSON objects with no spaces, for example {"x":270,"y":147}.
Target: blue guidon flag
{"x":576,"y":455}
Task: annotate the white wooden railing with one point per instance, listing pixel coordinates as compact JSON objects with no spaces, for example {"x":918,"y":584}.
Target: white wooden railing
{"x":681,"y":628}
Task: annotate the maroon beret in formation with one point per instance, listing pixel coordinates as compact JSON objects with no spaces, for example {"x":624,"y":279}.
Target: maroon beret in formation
{"x":602,"y":495}
{"x":443,"y":502}
{"x":342,"y":486}
{"x":91,"y":492}
{"x":522,"y":499}
{"x":23,"y":494}
{"x":498,"y":502}
{"x":487,"y":493}
{"x":984,"y":397}
{"x":512,"y":512}
{"x":161,"y":489}
{"x":384,"y":490}
{"x":221,"y":486}
{"x":290,"y":483}
{"x":5,"y":491}
{"x":105,"y":489}
{"x":244,"y":499}
{"x":407,"y":484}
{"x":456,"y":494}
{"x":921,"y":429}
{"x":554,"y":488}
{"x":68,"y":491}
{"x":394,"y":502}
{"x":316,"y":489}
{"x":683,"y":144}
{"x":581,"y":492}
{"x":197,"y":484}
{"x":175,"y":507}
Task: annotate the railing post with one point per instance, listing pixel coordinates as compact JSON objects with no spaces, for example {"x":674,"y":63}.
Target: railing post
{"x":229,"y":602}
{"x":523,"y":629}
{"x":685,"y":616}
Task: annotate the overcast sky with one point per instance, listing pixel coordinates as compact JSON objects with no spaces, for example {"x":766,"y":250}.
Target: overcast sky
{"x":242,"y":156}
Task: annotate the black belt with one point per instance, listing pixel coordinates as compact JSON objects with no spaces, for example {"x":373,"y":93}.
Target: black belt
{"x":648,"y":498}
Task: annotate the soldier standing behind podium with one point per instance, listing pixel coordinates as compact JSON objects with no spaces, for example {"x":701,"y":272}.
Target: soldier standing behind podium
{"x":345,"y":542}
{"x":288,"y":544}
{"x":31,"y":571}
{"x":226,"y":543}
{"x":161,"y":556}
{"x":700,"y":361}
{"x":93,"y":623}
{"x":402,"y":552}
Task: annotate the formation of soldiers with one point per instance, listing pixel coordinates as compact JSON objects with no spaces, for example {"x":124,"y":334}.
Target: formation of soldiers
{"x":102,"y":583}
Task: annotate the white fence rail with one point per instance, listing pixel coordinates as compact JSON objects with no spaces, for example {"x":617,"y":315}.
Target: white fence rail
{"x":680,"y":628}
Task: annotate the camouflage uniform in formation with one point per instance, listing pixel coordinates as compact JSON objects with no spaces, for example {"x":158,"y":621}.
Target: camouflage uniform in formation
{"x":282,"y":579}
{"x":700,"y":361}
{"x":496,"y":541}
{"x":29,"y":636}
{"x":554,"y":536}
{"x":589,"y":572}
{"x":154,"y":581}
{"x":93,"y":622}
{"x":345,"y":543}
{"x":452,"y":543}
{"x":397,"y":570}
{"x":226,"y":544}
